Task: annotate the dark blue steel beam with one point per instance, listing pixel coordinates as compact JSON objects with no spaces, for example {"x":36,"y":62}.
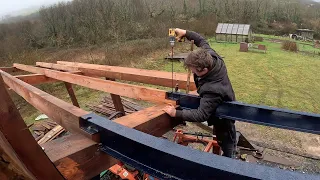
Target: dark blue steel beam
{"x":167,"y":160}
{"x":269,"y":116}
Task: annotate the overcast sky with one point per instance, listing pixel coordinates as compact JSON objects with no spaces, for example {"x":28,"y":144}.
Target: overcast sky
{"x":9,"y":6}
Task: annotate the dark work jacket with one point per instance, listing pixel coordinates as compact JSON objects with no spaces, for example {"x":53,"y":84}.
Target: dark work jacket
{"x":213,"y":88}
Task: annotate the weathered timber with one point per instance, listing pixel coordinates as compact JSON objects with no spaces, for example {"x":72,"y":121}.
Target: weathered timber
{"x":18,"y":143}
{"x":63,"y":113}
{"x":50,"y":135}
{"x":131,"y":74}
{"x":122,"y":89}
{"x":71,"y":94}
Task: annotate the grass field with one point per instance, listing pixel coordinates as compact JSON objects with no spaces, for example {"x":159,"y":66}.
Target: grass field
{"x":278,"y":78}
{"x":302,"y":45}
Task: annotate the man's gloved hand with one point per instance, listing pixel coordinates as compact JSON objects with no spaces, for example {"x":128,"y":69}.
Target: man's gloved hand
{"x":180,"y":33}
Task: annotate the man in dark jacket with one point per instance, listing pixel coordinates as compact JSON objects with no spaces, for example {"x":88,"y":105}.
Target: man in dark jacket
{"x":214,"y":87}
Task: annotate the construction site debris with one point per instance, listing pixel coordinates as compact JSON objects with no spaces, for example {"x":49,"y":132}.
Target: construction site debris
{"x":41,"y":117}
{"x":106,"y":107}
{"x":56,"y":131}
{"x":44,"y":131}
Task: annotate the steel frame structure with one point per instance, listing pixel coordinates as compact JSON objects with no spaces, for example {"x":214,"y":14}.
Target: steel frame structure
{"x":97,"y":143}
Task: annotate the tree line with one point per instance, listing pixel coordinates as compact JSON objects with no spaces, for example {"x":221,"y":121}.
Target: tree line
{"x":94,"y":22}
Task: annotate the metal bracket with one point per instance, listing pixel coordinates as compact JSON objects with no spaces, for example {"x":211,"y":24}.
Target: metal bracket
{"x":186,"y":101}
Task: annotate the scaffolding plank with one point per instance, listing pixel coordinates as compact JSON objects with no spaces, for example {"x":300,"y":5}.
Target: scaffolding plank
{"x":18,"y":143}
{"x":131,"y":74}
{"x":122,"y":89}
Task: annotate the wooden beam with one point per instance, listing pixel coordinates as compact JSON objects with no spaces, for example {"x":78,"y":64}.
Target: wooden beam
{"x":122,"y":89}
{"x":77,"y":157}
{"x":63,"y":113}
{"x":71,"y":94}
{"x":129,"y":74}
{"x":18,"y":143}
{"x":35,"y":79}
{"x":116,"y":99}
{"x":9,"y":69}
{"x":151,"y":120}
{"x":56,"y":66}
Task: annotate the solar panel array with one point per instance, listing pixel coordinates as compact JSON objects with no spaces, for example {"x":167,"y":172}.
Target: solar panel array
{"x":236,"y":29}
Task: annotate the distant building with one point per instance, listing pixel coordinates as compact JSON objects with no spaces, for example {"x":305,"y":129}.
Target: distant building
{"x":234,"y":32}
{"x":305,"y":33}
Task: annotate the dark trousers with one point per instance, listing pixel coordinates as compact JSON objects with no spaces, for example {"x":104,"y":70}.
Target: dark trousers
{"x":226,"y":135}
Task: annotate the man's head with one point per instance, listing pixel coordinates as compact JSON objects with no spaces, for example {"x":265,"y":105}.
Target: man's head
{"x":200,"y":62}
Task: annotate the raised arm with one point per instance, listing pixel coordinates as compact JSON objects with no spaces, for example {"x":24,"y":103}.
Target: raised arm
{"x":199,"y":41}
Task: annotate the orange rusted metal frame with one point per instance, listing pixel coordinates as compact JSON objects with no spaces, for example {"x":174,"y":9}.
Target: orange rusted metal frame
{"x":120,"y":170}
{"x":183,"y":139}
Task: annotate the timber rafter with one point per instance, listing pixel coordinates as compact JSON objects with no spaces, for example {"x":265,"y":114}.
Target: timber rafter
{"x":80,"y":159}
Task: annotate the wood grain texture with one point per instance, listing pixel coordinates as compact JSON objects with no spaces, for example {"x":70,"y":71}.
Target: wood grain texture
{"x":122,"y":89}
{"x":160,"y":78}
{"x":116,"y":99}
{"x":56,"y":66}
{"x":71,"y":94}
{"x":35,"y":79}
{"x":18,"y":143}
{"x":151,"y":120}
{"x":63,"y":113}
{"x":77,"y":157}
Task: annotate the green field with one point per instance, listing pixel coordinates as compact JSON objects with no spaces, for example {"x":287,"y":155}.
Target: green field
{"x":278,"y":78}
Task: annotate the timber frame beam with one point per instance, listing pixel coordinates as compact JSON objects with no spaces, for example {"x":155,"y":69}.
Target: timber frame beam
{"x":159,"y":78}
{"x":122,"y":89}
{"x":80,"y":155}
{"x":9,"y":69}
{"x":81,"y":159}
{"x":19,"y":145}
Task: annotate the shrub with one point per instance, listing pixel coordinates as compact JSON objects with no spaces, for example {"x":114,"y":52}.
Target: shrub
{"x":290,"y":46}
